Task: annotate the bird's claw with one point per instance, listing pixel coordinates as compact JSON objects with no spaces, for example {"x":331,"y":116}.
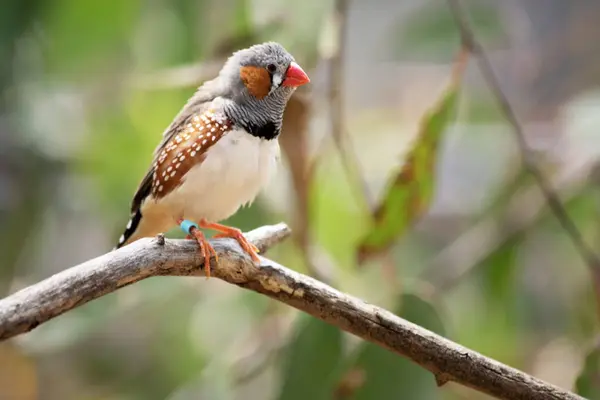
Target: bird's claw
{"x":206,"y":248}
{"x":248,"y":247}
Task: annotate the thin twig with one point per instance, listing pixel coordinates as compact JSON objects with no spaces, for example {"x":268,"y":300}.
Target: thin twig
{"x":294,"y":144}
{"x":554,"y":203}
{"x":260,"y":363}
{"x":271,"y":332}
{"x":523,"y":208}
{"x":448,"y":361}
{"x":182,"y":76}
{"x":349,"y":158}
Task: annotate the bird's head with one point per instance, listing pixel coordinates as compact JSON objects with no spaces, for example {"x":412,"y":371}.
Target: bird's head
{"x":259,"y":81}
{"x":262,"y":71}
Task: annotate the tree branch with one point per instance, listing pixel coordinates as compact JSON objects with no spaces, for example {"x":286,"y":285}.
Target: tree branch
{"x":470,"y":41}
{"x":26,"y":309}
{"x":523,"y":208}
{"x":73,"y":287}
{"x":335,"y":95}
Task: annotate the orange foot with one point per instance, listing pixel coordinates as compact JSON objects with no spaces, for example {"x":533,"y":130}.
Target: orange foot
{"x":205,"y":247}
{"x":235,"y":233}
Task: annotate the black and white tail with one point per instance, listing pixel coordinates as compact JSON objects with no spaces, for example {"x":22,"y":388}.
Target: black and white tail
{"x":141,"y":194}
{"x":130,"y":229}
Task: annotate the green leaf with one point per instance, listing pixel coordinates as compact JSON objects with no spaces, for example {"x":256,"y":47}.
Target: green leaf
{"x":411,"y":190}
{"x":499,"y":272}
{"x":312,"y":362}
{"x":334,"y":210}
{"x":381,"y":374}
{"x":588,"y":381}
{"x":421,"y":312}
{"x":504,"y":309}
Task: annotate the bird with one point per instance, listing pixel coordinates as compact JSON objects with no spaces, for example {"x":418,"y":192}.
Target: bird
{"x":219,"y":152}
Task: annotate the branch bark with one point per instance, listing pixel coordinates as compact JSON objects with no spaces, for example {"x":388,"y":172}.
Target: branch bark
{"x":448,"y":361}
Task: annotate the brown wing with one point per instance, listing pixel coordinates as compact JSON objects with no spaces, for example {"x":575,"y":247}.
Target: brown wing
{"x":196,"y":105}
{"x":185,"y":149}
{"x":184,"y":145}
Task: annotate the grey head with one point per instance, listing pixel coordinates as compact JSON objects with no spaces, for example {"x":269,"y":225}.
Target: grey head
{"x":256,"y":84}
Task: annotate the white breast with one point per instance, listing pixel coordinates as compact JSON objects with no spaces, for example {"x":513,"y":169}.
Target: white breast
{"x":236,"y":168}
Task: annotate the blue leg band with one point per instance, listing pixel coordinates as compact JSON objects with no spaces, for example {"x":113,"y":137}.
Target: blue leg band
{"x":186,"y":225}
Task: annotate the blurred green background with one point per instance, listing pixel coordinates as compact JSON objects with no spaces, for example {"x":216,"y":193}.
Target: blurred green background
{"x":87,"y":87}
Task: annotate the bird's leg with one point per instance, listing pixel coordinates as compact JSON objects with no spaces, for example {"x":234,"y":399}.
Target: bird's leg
{"x":235,"y":233}
{"x":205,"y":247}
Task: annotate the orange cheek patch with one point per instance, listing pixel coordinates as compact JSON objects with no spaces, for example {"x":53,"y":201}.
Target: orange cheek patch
{"x":256,"y":80}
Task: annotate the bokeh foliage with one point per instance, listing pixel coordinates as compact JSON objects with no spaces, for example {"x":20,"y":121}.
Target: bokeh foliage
{"x":88,"y":87}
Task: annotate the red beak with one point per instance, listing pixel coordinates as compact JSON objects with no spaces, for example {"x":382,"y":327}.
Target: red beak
{"x":295,"y":76}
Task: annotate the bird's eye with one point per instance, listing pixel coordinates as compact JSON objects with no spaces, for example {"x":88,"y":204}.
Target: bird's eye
{"x":271,"y":68}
